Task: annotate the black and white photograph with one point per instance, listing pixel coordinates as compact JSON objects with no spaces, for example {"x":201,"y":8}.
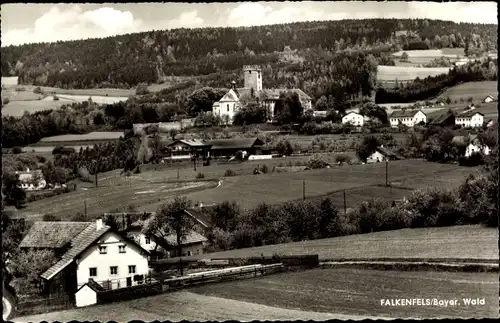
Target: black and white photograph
{"x":243,"y":161}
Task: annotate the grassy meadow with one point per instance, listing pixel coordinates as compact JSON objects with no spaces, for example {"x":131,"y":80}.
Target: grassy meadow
{"x":151,"y":188}
{"x":477,"y":90}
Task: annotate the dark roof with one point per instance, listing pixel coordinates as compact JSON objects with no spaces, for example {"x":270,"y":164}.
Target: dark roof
{"x":404,"y":113}
{"x":442,"y":118}
{"x":93,"y":285}
{"x":191,"y":238}
{"x":52,"y":234}
{"x":388,"y":153}
{"x":81,"y":242}
{"x":275,"y":93}
{"x":200,"y":216}
{"x":469,"y":113}
{"x":244,"y":143}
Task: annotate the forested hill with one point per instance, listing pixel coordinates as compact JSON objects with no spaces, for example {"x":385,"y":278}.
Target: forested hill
{"x":127,"y":60}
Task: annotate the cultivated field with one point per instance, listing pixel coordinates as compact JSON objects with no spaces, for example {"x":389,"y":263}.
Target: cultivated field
{"x":18,"y":108}
{"x":391,"y":73}
{"x":432,"y":53}
{"x":477,"y":90}
{"x":465,"y":242}
{"x":184,"y":305}
{"x":358,"y":291}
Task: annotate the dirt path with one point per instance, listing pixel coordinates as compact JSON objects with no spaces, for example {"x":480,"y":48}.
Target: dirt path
{"x":184,"y":306}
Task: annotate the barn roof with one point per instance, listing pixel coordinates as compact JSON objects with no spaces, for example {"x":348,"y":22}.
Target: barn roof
{"x":388,"y":153}
{"x":43,"y":234}
{"x":469,"y":113}
{"x":191,"y":142}
{"x":404,"y":113}
{"x":442,"y":118}
{"x":78,"y":244}
{"x":192,"y":237}
{"x":275,"y":93}
{"x":243,"y":143}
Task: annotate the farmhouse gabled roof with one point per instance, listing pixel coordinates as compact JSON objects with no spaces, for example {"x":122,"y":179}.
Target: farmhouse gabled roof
{"x":352,"y":112}
{"x":274,"y":94}
{"x":43,"y":234}
{"x":78,"y":245}
{"x":405,"y":113}
{"x":442,"y":118}
{"x":92,"y":285}
{"x":244,"y":143}
{"x":469,"y":113}
{"x":190,"y":238}
{"x":230,"y":96}
{"x":199,"y":216}
{"x":388,"y":153}
{"x":191,"y":142}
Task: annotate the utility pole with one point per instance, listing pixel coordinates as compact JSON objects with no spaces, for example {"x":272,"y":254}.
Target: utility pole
{"x":177,"y":173}
{"x":345,"y":205}
{"x":303,"y":190}
{"x":85,"y":207}
{"x":386,"y":173}
{"x":194,"y":162}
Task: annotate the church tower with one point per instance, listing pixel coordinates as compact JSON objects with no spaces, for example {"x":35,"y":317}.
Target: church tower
{"x":253,"y":77}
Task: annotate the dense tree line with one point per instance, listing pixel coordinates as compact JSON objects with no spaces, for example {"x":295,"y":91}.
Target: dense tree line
{"x":486,"y":70}
{"x":150,"y":56}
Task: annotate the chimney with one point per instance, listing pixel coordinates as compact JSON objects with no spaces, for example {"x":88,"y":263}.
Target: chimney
{"x":98,"y":224}
{"x":233,"y":85}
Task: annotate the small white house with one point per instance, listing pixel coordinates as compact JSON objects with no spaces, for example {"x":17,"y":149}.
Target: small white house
{"x":353,"y":118}
{"x":489,"y":99}
{"x":86,"y":295}
{"x":382,"y":154}
{"x":470,"y":119}
{"x":475,"y":146}
{"x":408,"y":118}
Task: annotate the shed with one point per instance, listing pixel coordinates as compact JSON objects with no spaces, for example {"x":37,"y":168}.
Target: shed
{"x":229,"y":147}
{"x":86,"y":295}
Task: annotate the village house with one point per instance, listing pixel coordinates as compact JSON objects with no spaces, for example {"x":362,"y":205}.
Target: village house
{"x":87,"y":250}
{"x":408,"y":118}
{"x":475,"y":146}
{"x":354,"y":118}
{"x":491,"y":123}
{"x":227,"y":107}
{"x":489,"y":99}
{"x":193,"y":244}
{"x":382,"y":154}
{"x":32,"y":180}
{"x":470,"y":119}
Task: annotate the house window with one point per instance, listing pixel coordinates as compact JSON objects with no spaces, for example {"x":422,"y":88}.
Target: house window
{"x":131,"y":269}
{"x":121,"y":249}
{"x":228,"y":108}
{"x":113,"y":270}
{"x":103,"y":250}
{"x":92,"y":272}
{"x":148,"y":240}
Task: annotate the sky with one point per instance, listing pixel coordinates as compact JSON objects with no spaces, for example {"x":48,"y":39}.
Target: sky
{"x":33,"y":23}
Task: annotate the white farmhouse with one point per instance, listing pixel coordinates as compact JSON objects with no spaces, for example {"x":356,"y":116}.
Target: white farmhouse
{"x":470,"y":119}
{"x":408,"y":118}
{"x":353,"y":118}
{"x":87,"y":250}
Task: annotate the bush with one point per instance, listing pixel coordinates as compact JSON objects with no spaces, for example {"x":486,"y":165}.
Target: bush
{"x":229,"y":172}
{"x":200,"y":176}
{"x":284,"y":147}
{"x":342,"y":158}
{"x":17,"y":150}
{"x":56,"y":98}
{"x":142,"y":89}
{"x":37,"y":90}
{"x":51,"y":217}
{"x":137,"y":170}
{"x":5,"y":101}
{"x":20,"y":89}
{"x":264,"y":169}
{"x":317,"y":161}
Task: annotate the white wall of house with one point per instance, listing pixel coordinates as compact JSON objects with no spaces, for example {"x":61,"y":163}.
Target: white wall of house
{"x":85,"y":296}
{"x":144,"y":241}
{"x":474,"y":121}
{"x":488,"y":99}
{"x":190,"y":250}
{"x":475,"y":148}
{"x":355,"y":119}
{"x":93,"y":258}
{"x":375,"y":157}
{"x":419,"y":117}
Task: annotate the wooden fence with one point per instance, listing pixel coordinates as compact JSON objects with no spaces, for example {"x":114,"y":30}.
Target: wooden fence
{"x":43,"y":305}
{"x":128,"y":293}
